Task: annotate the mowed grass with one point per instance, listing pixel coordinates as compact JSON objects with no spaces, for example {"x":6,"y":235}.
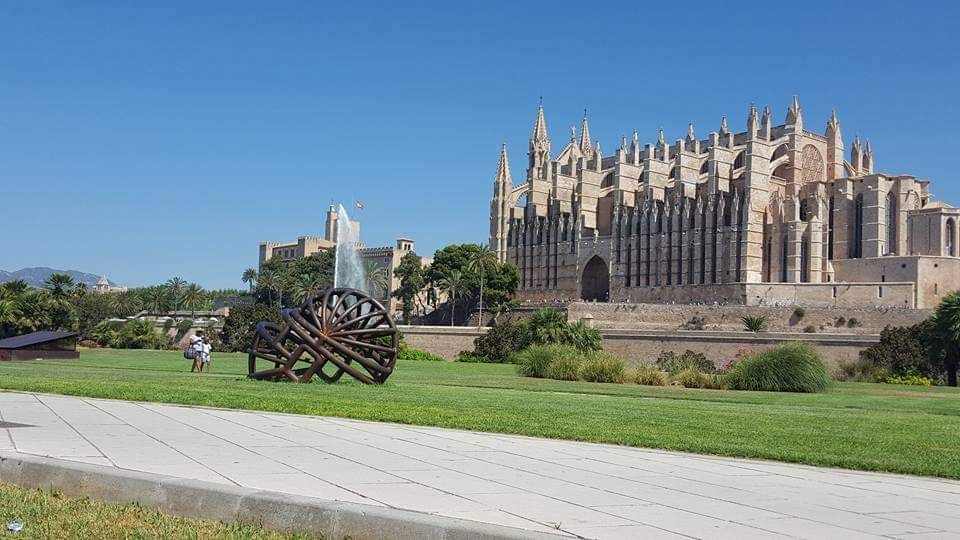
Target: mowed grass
{"x":878,"y":427}
{"x":49,"y":515}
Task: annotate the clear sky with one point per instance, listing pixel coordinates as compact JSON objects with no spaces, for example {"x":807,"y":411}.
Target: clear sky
{"x":145,"y":140}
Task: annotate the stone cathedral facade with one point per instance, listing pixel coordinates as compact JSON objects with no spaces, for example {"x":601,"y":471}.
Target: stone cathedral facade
{"x":773,"y":215}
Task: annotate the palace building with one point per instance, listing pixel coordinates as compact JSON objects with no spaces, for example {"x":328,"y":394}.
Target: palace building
{"x":773,"y":215}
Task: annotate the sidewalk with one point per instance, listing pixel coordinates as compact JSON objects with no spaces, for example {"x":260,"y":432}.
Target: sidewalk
{"x":563,"y":487}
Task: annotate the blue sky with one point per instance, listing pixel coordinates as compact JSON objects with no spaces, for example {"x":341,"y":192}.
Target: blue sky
{"x":146,"y":140}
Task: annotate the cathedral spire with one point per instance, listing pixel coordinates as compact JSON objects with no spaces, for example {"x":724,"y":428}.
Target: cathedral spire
{"x":585,"y":141}
{"x":503,"y":168}
{"x":539,"y":126}
{"x":794,"y":116}
{"x":660,"y":141}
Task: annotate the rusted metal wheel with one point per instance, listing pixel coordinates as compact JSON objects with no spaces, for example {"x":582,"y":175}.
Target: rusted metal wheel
{"x":339,"y":331}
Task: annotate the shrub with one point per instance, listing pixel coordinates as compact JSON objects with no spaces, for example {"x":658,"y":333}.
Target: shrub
{"x":600,"y":366}
{"x":793,"y":367}
{"x":861,"y":370}
{"x":672,"y":362}
{"x":649,"y":375}
{"x":754,"y":323}
{"x":502,"y":340}
{"x":238,"y":327}
{"x":184,"y":325}
{"x":547,"y":325}
{"x":167,"y":324}
{"x":534,"y":361}
{"x":692,"y":378}
{"x":799,"y":313}
{"x":901,"y":350}
{"x":104,"y":333}
{"x":916,"y":380}
{"x":139,"y":334}
{"x":853,"y":322}
{"x":840,"y":321}
{"x":414,"y":354}
{"x":695,"y":323}
{"x":810,"y":329}
{"x":471,"y":357}
{"x":583,"y":337}
{"x":565,"y":367}
{"x":741,"y":354}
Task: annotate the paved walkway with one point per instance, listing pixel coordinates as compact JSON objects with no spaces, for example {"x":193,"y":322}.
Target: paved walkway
{"x":590,"y":490}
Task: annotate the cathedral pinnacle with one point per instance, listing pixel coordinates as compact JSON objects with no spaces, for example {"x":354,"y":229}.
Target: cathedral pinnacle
{"x":723,"y":126}
{"x":585,"y":145}
{"x":691,"y":136}
{"x":503,"y":167}
{"x":540,"y":126}
{"x":793,"y":113}
{"x":833,"y":125}
{"x":660,"y":141}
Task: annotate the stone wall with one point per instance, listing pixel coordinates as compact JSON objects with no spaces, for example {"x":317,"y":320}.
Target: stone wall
{"x":644,"y":346}
{"x":671,"y":317}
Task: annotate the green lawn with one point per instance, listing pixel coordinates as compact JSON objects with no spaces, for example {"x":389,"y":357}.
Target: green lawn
{"x":860,"y":426}
{"x":49,"y":515}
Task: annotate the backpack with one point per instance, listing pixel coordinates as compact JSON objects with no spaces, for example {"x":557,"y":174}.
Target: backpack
{"x":189,"y":353}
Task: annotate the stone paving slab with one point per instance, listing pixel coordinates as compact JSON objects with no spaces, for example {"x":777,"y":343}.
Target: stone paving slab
{"x":565,"y":488}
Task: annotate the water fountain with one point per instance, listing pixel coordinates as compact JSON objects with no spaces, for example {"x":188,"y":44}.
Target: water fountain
{"x":348,"y":267}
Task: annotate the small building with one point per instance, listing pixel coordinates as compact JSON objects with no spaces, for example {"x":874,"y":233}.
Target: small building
{"x":40,"y":345}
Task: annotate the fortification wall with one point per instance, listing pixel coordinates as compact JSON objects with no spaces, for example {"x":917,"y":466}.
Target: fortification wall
{"x":670,"y":317}
{"x":645,"y":346}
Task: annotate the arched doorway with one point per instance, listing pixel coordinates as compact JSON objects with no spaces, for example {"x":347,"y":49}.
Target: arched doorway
{"x":595,"y":282}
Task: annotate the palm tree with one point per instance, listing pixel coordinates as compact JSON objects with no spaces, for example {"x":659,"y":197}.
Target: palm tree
{"x":945,"y":333}
{"x":481,"y":259}
{"x":176,"y":286}
{"x":193,"y":297}
{"x":80,"y":289}
{"x":157,"y":298}
{"x":16,"y":287}
{"x":377,"y":284}
{"x":9,"y":316}
{"x":452,"y":284}
{"x":306,"y":285}
{"x":267,"y":281}
{"x":249,"y":277}
{"x":58,"y":285}
{"x":124,"y":304}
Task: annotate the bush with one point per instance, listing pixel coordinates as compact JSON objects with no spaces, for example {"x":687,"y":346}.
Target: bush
{"x":691,"y":378}
{"x":902,"y":350}
{"x":695,"y":323}
{"x":167,"y":324}
{"x":105,"y":332}
{"x":810,"y":329}
{"x":794,"y":367}
{"x":414,"y":354}
{"x":600,"y":366}
{"x":861,"y":370}
{"x":238,"y":327}
{"x":534,"y":361}
{"x":741,"y":354}
{"x":672,"y":362}
{"x":799,"y":313}
{"x":184,"y":325}
{"x":754,"y":323}
{"x":649,"y":375}
{"x":471,"y":357}
{"x":583,"y":337}
{"x":854,"y":323}
{"x":565,"y":367}
{"x":916,"y":380}
{"x":140,"y":334}
{"x":502,"y":340}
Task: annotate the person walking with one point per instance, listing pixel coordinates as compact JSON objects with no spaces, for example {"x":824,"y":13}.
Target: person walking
{"x":196,"y":345}
{"x":206,"y":349}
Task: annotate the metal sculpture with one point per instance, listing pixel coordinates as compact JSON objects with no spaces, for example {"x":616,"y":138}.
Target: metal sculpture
{"x":338,"y":331}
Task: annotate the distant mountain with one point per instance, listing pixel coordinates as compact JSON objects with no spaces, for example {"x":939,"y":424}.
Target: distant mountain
{"x":37,"y":275}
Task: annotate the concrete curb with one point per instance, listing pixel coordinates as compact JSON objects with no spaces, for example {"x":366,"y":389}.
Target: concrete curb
{"x":220,"y":502}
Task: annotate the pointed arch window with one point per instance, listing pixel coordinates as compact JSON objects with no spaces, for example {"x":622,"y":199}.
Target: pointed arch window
{"x":740,"y":160}
{"x":856,"y":247}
